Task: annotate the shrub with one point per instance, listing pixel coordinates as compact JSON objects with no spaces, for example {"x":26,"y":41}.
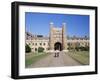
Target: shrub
{"x":82,"y":48}
{"x":27,"y":48}
{"x":40,"y":49}
{"x":86,"y":48}
{"x":77,"y":48}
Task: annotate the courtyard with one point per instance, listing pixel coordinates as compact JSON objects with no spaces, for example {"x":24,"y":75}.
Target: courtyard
{"x":69,"y":39}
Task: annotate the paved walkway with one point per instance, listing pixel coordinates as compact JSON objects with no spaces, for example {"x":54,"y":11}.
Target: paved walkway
{"x":51,"y":61}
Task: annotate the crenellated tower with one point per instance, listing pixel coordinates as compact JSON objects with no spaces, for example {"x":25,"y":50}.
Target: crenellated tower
{"x":58,"y":40}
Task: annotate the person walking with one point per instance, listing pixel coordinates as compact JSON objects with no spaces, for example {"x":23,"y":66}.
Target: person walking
{"x":57,"y":53}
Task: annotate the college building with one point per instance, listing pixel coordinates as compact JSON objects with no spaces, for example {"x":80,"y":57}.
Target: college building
{"x":57,"y":40}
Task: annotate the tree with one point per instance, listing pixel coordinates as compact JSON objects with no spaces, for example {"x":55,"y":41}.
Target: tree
{"x":77,"y":46}
{"x":84,"y":48}
{"x":87,"y":48}
{"x":40,"y":49}
{"x":27,"y":48}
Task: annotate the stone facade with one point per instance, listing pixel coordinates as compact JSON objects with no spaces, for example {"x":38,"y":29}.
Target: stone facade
{"x":57,"y":40}
{"x":58,"y":37}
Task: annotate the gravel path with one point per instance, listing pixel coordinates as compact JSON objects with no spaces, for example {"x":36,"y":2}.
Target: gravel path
{"x":51,"y":61}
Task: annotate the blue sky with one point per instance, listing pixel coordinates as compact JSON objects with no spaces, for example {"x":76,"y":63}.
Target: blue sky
{"x":39,"y":23}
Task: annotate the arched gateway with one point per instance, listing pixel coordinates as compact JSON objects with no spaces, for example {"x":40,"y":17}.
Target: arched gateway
{"x":58,"y":40}
{"x":58,"y":46}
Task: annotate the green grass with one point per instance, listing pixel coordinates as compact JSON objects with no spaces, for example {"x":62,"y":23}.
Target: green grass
{"x":33,"y":57}
{"x":80,"y":56}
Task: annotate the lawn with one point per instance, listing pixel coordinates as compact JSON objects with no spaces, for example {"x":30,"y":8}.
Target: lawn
{"x":31,"y":58}
{"x":80,"y":56}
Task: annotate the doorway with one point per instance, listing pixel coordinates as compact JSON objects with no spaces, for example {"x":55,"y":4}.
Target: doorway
{"x":58,"y":46}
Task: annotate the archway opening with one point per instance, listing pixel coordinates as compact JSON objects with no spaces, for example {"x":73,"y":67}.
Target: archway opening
{"x":58,"y":46}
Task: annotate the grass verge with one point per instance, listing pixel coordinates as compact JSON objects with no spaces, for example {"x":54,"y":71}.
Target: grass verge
{"x":33,"y":57}
{"x":80,"y":56}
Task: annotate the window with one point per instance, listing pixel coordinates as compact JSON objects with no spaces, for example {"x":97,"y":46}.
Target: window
{"x":35,"y":43}
{"x":44,"y":44}
{"x":40,"y":43}
{"x":69,"y":44}
{"x":35,"y":49}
